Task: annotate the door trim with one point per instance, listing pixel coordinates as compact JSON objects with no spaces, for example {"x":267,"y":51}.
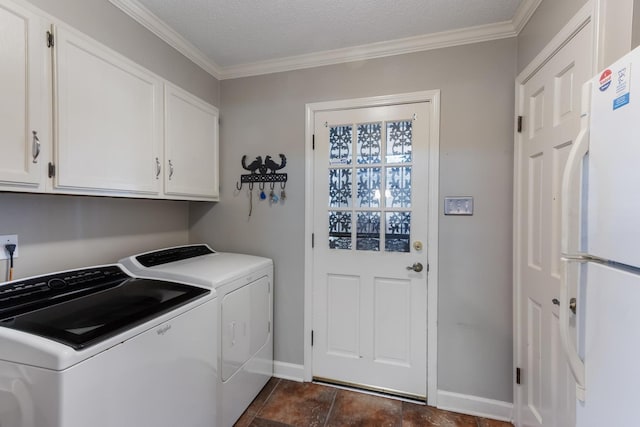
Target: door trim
{"x":432,"y":97}
{"x":590,"y":12}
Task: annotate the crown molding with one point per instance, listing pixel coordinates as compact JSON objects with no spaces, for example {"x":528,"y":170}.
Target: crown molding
{"x":158,"y":27}
{"x":374,"y":50}
{"x":524,"y":13}
{"x":440,"y":40}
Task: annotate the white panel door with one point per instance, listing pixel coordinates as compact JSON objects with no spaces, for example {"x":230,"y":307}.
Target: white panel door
{"x":23,"y":102}
{"x":108,"y":120}
{"x":191,"y":138}
{"x":370,"y":220}
{"x":550,"y":106}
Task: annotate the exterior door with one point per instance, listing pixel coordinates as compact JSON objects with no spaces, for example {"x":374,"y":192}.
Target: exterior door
{"x":369,"y":256}
{"x":549,"y":102}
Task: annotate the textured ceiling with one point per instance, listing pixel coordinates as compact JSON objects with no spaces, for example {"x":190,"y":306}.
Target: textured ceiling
{"x":234,"y":32}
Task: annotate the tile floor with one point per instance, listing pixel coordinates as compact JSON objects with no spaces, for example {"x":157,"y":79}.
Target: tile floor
{"x":285,"y":403}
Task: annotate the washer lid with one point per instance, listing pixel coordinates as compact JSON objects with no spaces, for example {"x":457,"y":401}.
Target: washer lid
{"x":84,"y":307}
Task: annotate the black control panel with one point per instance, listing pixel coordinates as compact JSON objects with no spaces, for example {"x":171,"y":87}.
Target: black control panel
{"x":32,"y":294}
{"x":172,"y":255}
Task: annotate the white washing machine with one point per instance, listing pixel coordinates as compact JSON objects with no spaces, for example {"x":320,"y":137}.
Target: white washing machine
{"x":244,"y":288}
{"x":97,"y":347}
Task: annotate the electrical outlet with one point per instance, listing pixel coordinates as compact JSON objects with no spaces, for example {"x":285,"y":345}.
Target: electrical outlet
{"x":9,"y":238}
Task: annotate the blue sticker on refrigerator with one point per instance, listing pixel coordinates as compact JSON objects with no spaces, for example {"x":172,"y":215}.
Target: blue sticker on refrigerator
{"x":621,"y":101}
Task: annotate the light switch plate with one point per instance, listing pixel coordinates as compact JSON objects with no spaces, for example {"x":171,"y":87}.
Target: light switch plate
{"x":458,"y":205}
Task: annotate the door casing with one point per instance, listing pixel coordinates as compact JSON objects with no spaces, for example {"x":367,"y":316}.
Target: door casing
{"x":432,"y":97}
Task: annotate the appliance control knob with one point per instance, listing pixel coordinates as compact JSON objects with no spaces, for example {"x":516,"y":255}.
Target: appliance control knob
{"x":56,"y":284}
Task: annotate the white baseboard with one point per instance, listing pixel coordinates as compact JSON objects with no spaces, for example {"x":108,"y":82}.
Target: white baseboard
{"x":288,"y":371}
{"x":449,"y":401}
{"x":474,"y":405}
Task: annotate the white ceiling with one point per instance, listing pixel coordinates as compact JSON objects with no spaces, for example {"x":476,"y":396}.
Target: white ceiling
{"x":242,"y":37}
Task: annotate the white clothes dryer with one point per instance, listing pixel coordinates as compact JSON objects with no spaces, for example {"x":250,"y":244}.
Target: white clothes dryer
{"x":244,"y":288}
{"x":97,"y":347}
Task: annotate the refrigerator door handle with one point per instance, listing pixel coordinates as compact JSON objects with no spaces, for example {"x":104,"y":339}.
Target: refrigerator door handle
{"x":573,"y":359}
{"x":570,"y":213}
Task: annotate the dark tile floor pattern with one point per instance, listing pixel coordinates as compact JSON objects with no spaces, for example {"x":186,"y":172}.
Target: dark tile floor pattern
{"x":283,"y":403}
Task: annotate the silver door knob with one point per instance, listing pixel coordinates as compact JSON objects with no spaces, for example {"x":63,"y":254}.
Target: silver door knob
{"x":417,"y":267}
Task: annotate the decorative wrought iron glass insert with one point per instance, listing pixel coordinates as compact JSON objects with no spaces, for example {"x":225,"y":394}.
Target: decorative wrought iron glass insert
{"x":340,"y":144}
{"x":368,"y":231}
{"x":383,"y":162}
{"x":397,"y":232}
{"x":399,"y":136}
{"x":340,"y":229}
{"x":340,"y":184}
{"x":368,"y":194}
{"x":369,"y":143}
{"x":398,"y":187}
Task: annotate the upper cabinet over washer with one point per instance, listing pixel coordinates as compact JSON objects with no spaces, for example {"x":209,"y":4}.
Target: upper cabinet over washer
{"x":108,"y":115}
{"x":23,"y":101}
{"x":191,"y":145}
{"x":77,"y":117}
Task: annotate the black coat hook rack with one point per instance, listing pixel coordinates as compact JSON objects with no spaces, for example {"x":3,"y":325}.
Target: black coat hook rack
{"x":262,"y":171}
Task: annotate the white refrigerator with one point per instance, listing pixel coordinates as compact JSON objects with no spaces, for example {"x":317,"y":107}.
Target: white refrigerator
{"x":601,"y":250}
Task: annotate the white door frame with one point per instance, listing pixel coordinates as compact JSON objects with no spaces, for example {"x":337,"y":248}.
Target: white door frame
{"x":433,"y":97}
{"x":590,"y":12}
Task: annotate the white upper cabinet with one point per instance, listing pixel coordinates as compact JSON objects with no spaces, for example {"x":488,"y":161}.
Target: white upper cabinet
{"x":94,"y":121}
{"x":24,"y":129}
{"x":108,"y":121}
{"x":191,"y":146}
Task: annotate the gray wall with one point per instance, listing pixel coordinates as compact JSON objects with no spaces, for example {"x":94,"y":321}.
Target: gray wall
{"x":265,"y":115}
{"x":619,"y":28}
{"x":545,"y":23}
{"x":59,"y":232}
{"x":635,"y":35}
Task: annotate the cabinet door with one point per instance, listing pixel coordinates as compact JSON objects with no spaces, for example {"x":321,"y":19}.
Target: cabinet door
{"x":191,"y":146}
{"x":109,"y":120}
{"x":23,"y":99}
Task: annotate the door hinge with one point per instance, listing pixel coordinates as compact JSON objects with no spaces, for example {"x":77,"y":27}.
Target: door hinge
{"x":518,"y":378}
{"x":50,"y":40}
{"x":313,"y":240}
{"x":427,"y":268}
{"x":311,"y":338}
{"x":52,"y":170}
{"x":313,"y":142}
{"x":520,"y":124}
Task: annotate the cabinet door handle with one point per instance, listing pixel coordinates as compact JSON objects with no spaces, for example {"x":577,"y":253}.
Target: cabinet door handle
{"x":158,"y":168}
{"x":35,"y":146}
{"x":170,"y":169}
